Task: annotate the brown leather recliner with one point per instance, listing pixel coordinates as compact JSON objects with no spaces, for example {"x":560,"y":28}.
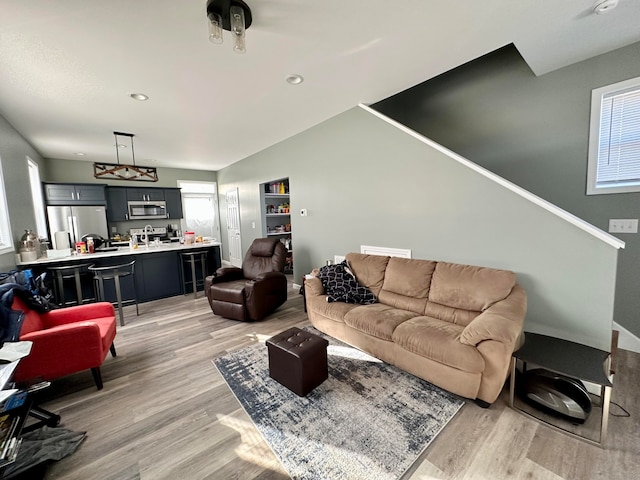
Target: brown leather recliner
{"x":255,"y":290}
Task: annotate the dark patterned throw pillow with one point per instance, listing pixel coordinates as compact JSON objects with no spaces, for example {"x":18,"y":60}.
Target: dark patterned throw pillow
{"x":340,"y":285}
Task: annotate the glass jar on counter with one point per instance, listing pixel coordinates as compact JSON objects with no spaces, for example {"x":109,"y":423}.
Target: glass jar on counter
{"x":189,"y":238}
{"x":90,"y":245}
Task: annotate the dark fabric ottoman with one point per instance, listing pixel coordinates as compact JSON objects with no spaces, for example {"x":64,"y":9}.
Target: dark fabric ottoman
{"x":298,"y":360}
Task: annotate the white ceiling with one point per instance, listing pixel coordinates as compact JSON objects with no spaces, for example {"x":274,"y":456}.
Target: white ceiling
{"x":67,"y":67}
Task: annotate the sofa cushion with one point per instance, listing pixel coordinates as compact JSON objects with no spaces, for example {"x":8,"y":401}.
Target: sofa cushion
{"x":409,"y":277}
{"x":468,"y":287}
{"x":458,"y":316}
{"x":378,"y":320}
{"x":406,"y":284}
{"x":368,"y":269}
{"x":341,"y":285}
{"x":439,"y":341}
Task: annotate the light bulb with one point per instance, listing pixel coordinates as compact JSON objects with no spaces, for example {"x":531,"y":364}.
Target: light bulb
{"x":215,"y":28}
{"x":237,"y":29}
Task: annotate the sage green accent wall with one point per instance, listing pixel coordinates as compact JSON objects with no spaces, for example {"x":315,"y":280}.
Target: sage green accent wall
{"x":13,"y":153}
{"x":533,"y":131}
{"x":365,"y":182}
{"x":82,"y":172}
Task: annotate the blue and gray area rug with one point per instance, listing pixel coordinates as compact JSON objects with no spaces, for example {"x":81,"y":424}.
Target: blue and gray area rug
{"x":367,"y":420}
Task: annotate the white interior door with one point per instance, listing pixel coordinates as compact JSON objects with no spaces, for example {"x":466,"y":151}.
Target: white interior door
{"x":233,"y":228}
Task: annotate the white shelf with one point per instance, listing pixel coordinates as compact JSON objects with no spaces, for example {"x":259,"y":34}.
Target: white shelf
{"x":279,"y":233}
{"x":276,"y":195}
{"x":277,"y":214}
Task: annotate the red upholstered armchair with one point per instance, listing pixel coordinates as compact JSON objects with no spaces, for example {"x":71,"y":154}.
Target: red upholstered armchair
{"x":66,"y":341}
{"x":255,"y":290}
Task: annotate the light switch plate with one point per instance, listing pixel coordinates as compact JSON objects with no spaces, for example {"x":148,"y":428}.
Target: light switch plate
{"x":623,"y":225}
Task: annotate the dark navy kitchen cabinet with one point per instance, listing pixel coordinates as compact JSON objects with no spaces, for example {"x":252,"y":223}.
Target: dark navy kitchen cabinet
{"x":161,"y":275}
{"x":144,"y":194}
{"x":117,"y":210}
{"x":174,"y":203}
{"x":61,"y":194}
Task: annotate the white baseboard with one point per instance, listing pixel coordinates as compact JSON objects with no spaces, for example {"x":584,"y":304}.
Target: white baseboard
{"x":626,"y":339}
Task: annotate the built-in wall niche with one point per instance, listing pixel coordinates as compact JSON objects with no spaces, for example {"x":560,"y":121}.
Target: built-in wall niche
{"x":276,"y":214}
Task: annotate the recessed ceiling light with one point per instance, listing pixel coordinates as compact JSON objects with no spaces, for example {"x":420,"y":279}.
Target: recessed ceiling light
{"x":80,"y":154}
{"x":294,"y":79}
{"x":605,"y":6}
{"x":139,"y":96}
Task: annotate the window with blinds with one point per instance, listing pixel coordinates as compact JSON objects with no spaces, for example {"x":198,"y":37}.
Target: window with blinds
{"x":614,"y":142}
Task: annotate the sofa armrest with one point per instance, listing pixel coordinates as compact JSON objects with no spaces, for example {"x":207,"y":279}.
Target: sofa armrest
{"x":313,"y":287}
{"x":83,"y":335}
{"x":79,"y":313}
{"x":503,"y":321}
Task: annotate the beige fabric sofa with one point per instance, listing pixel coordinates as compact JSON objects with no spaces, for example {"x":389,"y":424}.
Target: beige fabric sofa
{"x":454,"y":325}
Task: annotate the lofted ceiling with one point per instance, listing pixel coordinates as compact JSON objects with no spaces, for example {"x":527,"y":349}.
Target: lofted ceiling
{"x":67,"y":67}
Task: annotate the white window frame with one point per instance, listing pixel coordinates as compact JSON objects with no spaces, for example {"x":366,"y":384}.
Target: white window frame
{"x":5,"y":226}
{"x":209,"y":189}
{"x":597,"y":96}
{"x":36,"y":196}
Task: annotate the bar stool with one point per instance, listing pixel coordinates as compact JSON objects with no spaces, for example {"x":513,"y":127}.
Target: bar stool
{"x":115,"y":273}
{"x":66,"y":272}
{"x":191,"y":258}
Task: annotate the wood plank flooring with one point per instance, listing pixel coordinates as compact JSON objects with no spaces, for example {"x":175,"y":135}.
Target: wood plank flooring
{"x":166,"y":413}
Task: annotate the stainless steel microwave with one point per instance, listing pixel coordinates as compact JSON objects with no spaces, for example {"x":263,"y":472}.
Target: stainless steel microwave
{"x":147,"y":210}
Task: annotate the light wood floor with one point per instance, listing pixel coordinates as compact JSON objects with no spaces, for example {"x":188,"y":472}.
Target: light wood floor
{"x":166,"y":413}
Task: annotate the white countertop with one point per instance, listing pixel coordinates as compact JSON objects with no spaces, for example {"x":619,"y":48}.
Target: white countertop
{"x":122,"y":251}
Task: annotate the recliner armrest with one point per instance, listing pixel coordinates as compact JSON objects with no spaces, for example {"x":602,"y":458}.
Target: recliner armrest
{"x":267,"y":275}
{"x":225,"y":274}
{"x":261,"y":292}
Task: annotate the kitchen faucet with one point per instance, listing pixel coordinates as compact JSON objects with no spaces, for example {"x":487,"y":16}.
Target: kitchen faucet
{"x":145,"y":234}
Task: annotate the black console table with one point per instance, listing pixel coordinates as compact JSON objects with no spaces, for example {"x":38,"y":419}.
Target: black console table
{"x":570,"y":359}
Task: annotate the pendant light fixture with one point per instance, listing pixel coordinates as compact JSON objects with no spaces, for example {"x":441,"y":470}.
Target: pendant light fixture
{"x":124,"y":171}
{"x":231,"y":15}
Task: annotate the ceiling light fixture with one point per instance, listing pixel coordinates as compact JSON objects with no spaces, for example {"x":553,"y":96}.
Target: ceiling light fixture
{"x":123,"y":171}
{"x":605,"y":6}
{"x":294,"y":79}
{"x":139,"y":96}
{"x":231,"y":15}
{"x":80,"y":154}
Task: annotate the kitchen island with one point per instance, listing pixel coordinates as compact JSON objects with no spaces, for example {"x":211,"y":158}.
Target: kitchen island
{"x":158,"y":269}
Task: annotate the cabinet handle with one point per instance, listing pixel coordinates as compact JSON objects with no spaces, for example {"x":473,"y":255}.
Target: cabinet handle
{"x":73,"y":197}
{"x":77,"y":195}
{"x":126,"y":216}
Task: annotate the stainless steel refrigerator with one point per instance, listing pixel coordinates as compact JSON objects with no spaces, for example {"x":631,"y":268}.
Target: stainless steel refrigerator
{"x":78,"y":221}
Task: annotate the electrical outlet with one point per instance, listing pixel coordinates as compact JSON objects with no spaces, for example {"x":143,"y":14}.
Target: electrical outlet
{"x":253,"y":224}
{"x":338,"y":258}
{"x":622,"y":225}
{"x":303,"y":212}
